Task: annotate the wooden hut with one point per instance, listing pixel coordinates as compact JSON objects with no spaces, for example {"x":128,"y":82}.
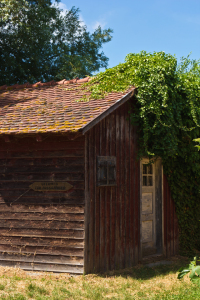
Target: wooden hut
{"x":73,"y":196}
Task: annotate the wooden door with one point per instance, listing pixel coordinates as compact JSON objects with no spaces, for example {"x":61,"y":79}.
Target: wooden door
{"x":148,"y":228}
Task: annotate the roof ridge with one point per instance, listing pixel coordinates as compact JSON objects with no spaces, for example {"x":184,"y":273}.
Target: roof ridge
{"x":38,"y":84}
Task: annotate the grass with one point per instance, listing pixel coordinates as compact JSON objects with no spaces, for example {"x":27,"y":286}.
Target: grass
{"x":139,"y":282}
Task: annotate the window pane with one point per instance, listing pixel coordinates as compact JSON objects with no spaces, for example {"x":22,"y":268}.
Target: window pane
{"x":150,"y":180}
{"x":103,"y":175}
{"x":111,"y":174}
{"x":144,"y":169}
{"x":144,"y":183}
{"x":106,"y":170}
{"x":150,"y":169}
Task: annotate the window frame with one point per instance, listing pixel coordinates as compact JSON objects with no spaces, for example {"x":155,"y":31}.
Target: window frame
{"x":107,"y":163}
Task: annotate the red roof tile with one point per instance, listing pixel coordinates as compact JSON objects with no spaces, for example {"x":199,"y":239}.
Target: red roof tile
{"x":50,"y":107}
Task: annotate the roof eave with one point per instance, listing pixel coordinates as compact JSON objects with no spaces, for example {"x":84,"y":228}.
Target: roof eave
{"x":108,"y":111}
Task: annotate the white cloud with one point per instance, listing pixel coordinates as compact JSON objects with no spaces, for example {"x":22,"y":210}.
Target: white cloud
{"x":62,"y":6}
{"x":99,"y":23}
{"x":90,"y":27}
{"x":82,"y":20}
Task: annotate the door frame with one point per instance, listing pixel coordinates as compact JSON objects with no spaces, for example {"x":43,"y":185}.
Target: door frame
{"x":159,"y":207}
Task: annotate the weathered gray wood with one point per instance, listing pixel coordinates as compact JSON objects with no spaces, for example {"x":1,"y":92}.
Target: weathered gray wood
{"x":41,"y":216}
{"x":26,"y":249}
{"x":44,"y":241}
{"x":45,"y":259}
{"x":31,"y":208}
{"x":43,"y":267}
{"x":147,"y":231}
{"x":45,"y":224}
{"x":147,"y":202}
{"x":25,"y":232}
{"x":148,"y":212}
{"x":42,"y":230}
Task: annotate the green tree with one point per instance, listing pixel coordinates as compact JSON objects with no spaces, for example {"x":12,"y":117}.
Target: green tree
{"x":167,"y":111}
{"x":39,"y":42}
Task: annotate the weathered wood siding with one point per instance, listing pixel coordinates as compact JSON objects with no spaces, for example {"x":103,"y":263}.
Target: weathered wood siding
{"x":42,"y":230}
{"x":112,"y":234}
{"x":171,"y":245}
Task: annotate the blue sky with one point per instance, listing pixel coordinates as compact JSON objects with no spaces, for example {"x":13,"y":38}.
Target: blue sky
{"x":172,"y":26}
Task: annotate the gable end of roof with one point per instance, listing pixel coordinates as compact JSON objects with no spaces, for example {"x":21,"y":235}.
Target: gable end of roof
{"x":108,"y":111}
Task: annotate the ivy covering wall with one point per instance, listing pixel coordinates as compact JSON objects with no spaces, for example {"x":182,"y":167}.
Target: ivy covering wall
{"x":167,"y":112}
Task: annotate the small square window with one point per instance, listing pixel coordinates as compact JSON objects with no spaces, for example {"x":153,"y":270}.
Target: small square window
{"x":106,"y":170}
{"x":147,"y":178}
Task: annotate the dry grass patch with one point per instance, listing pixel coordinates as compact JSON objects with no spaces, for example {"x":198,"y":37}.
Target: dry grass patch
{"x":140,"y":282}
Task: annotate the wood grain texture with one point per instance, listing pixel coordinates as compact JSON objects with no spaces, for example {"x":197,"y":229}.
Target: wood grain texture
{"x":113,"y":194}
{"x":97,"y":205}
{"x":116,"y":208}
{"x":171,"y":236}
{"x":127,"y":190}
{"x":42,"y":231}
{"x":136,"y":198}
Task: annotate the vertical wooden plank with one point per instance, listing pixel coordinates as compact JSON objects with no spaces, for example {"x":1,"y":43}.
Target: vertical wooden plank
{"x":165,"y":213}
{"x":137,"y":241}
{"x":172,"y":224}
{"x":169,"y":222}
{"x":117,"y":221}
{"x":132,"y":196}
{"x":127,"y":187}
{"x":102,"y":200}
{"x":122,"y":187}
{"x":87,"y":206}
{"x":91,"y":199}
{"x":107,"y":201}
{"x":97,"y":206}
{"x":176,"y":246}
{"x":158,"y":205}
{"x":113,"y":192}
{"x":108,"y":229}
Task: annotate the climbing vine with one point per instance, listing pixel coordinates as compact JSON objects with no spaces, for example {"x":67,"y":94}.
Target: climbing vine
{"x":167,"y":111}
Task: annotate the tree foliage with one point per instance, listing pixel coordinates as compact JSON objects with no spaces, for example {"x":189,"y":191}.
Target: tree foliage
{"x":167,"y":111}
{"x":38,"y":41}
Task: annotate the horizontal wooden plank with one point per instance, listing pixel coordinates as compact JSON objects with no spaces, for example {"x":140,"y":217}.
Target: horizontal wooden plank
{"x":43,"y":233}
{"x":41,"y":224}
{"x":45,"y":241}
{"x":43,"y":267}
{"x":63,"y":161}
{"x":67,"y":152}
{"x":41,"y":208}
{"x":45,"y":138}
{"x":12,"y":195}
{"x":42,"y":250}
{"x":45,"y":259}
{"x":31,"y":146}
{"x":38,"y":216}
{"x":24,"y":185}
{"x":43,"y":201}
{"x":41,"y":169}
{"x":17,"y":176}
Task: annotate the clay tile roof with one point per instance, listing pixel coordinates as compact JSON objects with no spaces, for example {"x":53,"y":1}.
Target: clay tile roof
{"x":51,"y":107}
